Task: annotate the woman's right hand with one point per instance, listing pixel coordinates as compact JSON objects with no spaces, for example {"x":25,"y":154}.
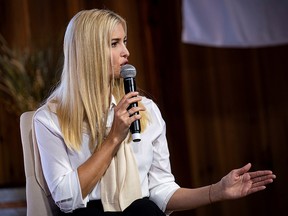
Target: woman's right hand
{"x":92,"y":170}
{"x":123,"y":118}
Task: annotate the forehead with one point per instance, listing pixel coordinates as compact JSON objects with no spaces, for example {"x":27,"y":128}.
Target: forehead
{"x":118,"y":31}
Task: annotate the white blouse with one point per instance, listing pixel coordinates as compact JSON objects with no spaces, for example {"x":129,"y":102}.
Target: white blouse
{"x":60,"y":163}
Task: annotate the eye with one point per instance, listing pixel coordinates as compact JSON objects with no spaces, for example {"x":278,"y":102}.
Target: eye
{"x":114,"y":43}
{"x":125,"y":41}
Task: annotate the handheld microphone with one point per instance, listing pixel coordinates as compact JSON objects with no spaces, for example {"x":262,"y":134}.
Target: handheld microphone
{"x":128,"y":73}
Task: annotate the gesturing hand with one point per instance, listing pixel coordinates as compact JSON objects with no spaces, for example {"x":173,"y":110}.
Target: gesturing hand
{"x":239,"y":182}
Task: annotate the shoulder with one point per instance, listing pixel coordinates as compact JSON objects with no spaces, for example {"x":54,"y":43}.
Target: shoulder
{"x":41,"y":112}
{"x":45,"y":116}
{"x":153,"y":110}
{"x":150,"y":105}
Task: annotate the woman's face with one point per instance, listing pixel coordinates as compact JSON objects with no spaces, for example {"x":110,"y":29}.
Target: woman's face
{"x":119,"y":51}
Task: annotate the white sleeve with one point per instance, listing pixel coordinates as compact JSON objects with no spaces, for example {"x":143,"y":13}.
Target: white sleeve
{"x":161,"y":181}
{"x":61,"y":178}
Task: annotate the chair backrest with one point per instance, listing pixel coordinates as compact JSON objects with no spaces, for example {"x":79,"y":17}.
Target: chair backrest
{"x":38,"y":203}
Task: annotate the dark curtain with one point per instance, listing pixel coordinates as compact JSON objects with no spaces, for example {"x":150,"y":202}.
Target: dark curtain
{"x":223,"y":107}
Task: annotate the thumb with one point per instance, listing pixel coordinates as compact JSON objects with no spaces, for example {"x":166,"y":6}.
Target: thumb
{"x":243,"y":169}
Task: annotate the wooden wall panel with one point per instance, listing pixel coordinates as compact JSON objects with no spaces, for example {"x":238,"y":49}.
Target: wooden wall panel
{"x":11,"y":156}
{"x":15,"y":22}
{"x":237,"y":113}
{"x":223,"y":107}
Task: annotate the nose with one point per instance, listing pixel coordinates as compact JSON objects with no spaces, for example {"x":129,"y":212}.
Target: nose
{"x":125,"y":53}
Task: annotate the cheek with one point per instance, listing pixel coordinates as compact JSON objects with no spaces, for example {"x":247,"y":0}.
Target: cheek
{"x":114,"y":59}
{"x":116,"y":68}
{"x":115,"y":62}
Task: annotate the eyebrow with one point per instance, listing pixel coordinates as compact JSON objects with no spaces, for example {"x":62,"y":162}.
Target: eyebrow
{"x":125,"y":38}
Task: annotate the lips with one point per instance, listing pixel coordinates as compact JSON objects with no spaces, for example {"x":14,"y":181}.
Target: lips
{"x":124,"y":63}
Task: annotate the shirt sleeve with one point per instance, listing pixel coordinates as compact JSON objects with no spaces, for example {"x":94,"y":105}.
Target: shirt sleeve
{"x":61,"y":178}
{"x":161,"y":181}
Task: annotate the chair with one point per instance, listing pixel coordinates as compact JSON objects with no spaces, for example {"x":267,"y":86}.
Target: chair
{"x":39,"y":201}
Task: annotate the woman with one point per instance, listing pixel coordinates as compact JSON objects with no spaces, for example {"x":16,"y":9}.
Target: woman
{"x":89,"y":161}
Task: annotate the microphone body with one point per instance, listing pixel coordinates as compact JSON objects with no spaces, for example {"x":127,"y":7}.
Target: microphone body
{"x":128,"y":73}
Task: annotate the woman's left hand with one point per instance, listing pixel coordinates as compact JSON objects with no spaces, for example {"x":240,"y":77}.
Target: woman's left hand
{"x":239,"y":183}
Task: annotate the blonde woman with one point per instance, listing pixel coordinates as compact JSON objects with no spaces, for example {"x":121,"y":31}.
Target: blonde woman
{"x":89,"y":162}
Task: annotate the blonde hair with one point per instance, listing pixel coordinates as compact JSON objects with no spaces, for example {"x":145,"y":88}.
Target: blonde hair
{"x":85,"y":78}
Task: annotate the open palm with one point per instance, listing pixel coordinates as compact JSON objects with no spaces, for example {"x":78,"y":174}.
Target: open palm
{"x":239,"y":182}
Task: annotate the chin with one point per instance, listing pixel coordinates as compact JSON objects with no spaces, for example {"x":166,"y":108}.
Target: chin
{"x":116,"y":73}
{"x":117,"y":76}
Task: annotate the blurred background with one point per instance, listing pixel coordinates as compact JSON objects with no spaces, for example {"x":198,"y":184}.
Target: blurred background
{"x":224,"y":104}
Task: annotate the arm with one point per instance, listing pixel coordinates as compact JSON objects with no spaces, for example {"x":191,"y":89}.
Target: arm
{"x":238,"y":183}
{"x":93,"y":169}
{"x":161,"y":181}
{"x":90,"y":172}
{"x":71,"y":181}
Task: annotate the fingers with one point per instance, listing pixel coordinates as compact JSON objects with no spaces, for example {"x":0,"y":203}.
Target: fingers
{"x":258,"y":178}
{"x":131,"y":97}
{"x":240,"y":182}
{"x":260,"y":184}
{"x":135,"y":110}
{"x":261,"y":178}
{"x":126,"y":101}
{"x":260,"y":173}
{"x":255,"y":189}
{"x":123,"y":118}
{"x":128,"y":116}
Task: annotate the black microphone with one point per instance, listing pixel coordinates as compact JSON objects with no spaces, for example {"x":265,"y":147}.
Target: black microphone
{"x":128,"y":73}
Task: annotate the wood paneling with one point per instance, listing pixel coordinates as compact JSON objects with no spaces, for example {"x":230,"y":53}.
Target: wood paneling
{"x":223,"y":107}
{"x":236,"y":112}
{"x":11,"y":156}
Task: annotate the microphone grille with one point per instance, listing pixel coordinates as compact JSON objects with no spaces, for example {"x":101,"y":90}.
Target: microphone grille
{"x":128,"y":70}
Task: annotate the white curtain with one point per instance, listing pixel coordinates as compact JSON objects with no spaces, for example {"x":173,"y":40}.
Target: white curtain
{"x":235,"y":23}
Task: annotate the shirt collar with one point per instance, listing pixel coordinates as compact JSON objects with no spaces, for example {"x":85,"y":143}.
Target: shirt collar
{"x":113,"y":102}
{"x":111,"y":112}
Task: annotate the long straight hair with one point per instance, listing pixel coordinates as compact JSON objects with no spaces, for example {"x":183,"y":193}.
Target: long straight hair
{"x":84,"y":94}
